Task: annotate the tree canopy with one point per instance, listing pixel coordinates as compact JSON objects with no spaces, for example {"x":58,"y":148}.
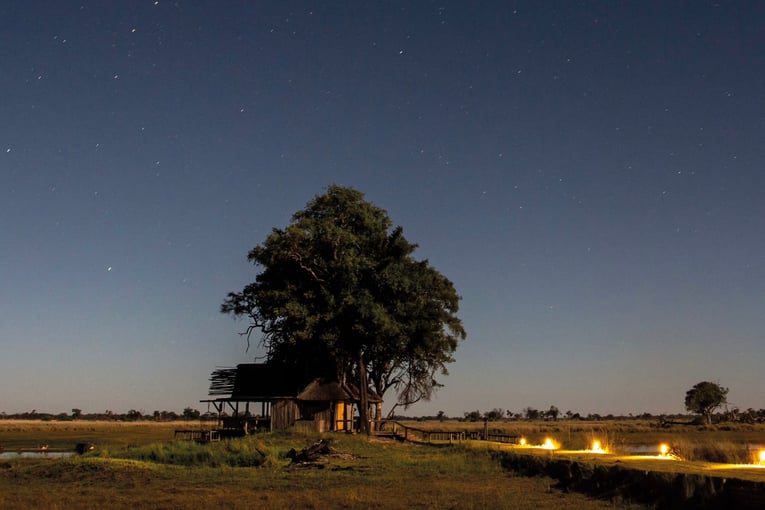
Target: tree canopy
{"x":704,"y":398}
{"x":340,"y":294}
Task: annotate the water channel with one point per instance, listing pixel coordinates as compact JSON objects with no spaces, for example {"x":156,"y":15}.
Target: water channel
{"x":35,"y":455}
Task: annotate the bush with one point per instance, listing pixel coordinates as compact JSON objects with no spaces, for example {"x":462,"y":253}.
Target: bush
{"x":723,"y":452}
{"x":244,"y":452}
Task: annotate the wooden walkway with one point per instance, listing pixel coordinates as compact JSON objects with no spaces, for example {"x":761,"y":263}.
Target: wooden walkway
{"x":402,"y":432}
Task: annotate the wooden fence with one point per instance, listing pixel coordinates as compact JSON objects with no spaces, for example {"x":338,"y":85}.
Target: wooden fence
{"x":200,"y":436}
{"x":390,"y":428}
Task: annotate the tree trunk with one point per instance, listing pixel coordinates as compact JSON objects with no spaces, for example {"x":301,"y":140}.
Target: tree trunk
{"x":363,"y":396}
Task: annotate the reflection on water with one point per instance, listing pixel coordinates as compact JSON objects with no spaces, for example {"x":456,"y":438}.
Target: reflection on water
{"x":643,"y":449}
{"x":35,"y":455}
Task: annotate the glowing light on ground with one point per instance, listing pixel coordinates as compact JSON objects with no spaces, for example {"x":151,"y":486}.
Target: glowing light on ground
{"x":549,"y":444}
{"x":761,"y":457}
{"x":664,"y":450}
{"x":734,"y":466}
{"x":596,"y":448}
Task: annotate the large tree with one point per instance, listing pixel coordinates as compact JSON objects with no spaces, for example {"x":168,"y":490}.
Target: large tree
{"x":340,"y":294}
{"x":704,"y":398}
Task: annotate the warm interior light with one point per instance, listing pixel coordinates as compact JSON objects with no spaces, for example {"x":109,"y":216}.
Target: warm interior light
{"x":663,"y":449}
{"x":762,"y":456}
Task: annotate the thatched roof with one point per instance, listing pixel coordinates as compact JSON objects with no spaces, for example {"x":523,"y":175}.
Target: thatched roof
{"x":320,"y":391}
{"x":222,"y":381}
{"x":261,"y":381}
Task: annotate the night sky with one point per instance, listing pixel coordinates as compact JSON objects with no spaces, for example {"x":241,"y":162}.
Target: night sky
{"x":588,"y":174}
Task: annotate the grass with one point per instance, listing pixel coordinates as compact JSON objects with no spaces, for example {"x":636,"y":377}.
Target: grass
{"x":170,"y":475}
{"x":247,"y":452}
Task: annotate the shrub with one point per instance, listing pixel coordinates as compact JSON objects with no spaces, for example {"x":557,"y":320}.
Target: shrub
{"x":724,"y":452}
{"x":244,"y":452}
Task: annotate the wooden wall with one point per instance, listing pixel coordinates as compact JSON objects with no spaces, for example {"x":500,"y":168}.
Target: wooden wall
{"x":287,"y":412}
{"x":323,"y":420}
{"x":284,"y":414}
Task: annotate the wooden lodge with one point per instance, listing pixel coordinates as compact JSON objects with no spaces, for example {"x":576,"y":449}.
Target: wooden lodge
{"x":259,"y":396}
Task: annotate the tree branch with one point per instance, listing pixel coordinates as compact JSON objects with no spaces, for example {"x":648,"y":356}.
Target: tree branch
{"x":299,"y":259}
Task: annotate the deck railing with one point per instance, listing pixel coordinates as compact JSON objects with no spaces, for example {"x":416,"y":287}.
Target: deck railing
{"x":408,"y":433}
{"x":200,"y":436}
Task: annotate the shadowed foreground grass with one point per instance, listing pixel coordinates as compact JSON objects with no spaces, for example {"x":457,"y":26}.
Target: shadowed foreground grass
{"x":378,"y":474}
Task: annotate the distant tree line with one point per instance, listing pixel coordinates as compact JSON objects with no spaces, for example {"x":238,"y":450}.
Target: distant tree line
{"x":531,"y":414}
{"x":188,"y":414}
{"x":703,"y":399}
{"x":527,"y":413}
{"x":733,"y":415}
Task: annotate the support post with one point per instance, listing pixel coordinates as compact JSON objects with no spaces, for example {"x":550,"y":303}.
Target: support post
{"x":378,"y":415}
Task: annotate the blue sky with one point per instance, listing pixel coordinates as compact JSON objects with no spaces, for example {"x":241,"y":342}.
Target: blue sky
{"x":589,"y":175}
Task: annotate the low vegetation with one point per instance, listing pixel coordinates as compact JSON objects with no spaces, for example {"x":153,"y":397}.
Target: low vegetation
{"x":138,"y":464}
{"x":167,"y":474}
{"x":246,"y":452}
{"x":105,"y":434}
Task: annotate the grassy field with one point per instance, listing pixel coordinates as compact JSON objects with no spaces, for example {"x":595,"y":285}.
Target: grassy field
{"x":65,"y":434}
{"x":137,"y":465}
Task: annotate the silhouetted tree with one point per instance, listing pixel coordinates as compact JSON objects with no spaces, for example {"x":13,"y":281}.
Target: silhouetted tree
{"x":473,"y":416}
{"x":340,"y":293}
{"x":495,"y":414}
{"x":168,"y":416}
{"x":134,"y":415}
{"x":704,"y":398}
{"x":190,"y":414}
